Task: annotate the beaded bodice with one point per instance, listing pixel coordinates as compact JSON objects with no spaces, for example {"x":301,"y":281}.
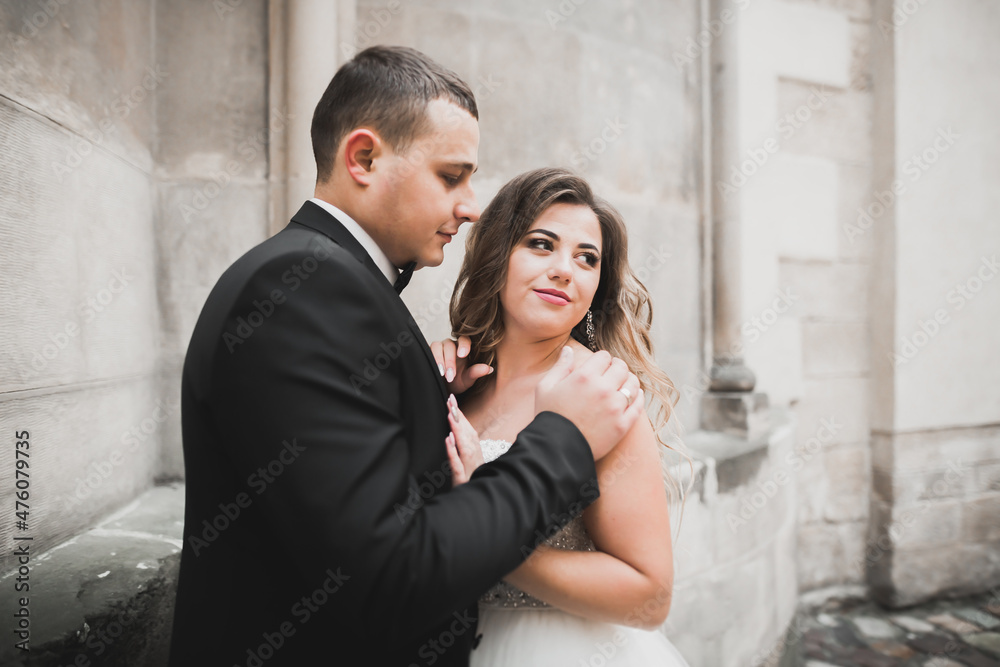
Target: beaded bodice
{"x":573,"y":536}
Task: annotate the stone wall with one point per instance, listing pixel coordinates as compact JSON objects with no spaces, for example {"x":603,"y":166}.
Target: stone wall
{"x":589,"y":86}
{"x":735,"y":589}
{"x":933,"y":218}
{"x":824,"y":174}
{"x":118,"y":124}
{"x":214,"y":125}
{"x":80,"y":331}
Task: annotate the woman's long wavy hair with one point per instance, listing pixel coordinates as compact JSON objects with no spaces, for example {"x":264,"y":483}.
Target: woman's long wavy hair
{"x":622,"y":309}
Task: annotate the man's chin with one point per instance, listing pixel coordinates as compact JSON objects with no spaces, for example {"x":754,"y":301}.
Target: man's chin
{"x":431,"y":261}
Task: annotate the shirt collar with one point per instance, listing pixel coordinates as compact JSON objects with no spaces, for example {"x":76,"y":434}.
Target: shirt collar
{"x":383,"y":263}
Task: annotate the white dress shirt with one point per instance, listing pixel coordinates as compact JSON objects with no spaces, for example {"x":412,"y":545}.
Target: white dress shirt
{"x":387,"y":268}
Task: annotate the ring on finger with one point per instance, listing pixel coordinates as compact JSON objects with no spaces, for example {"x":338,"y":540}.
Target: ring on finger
{"x":627,"y":394}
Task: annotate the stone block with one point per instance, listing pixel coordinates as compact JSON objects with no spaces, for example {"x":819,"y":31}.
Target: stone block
{"x":739,"y":525}
{"x":911,"y":624}
{"x":875,"y":628}
{"x":912,"y":576}
{"x":987,"y":478}
{"x":829,"y":554}
{"x":89,"y":68}
{"x":834,"y":348}
{"x":204,"y":230}
{"x":926,"y":523}
{"x":981,"y":519}
{"x":818,"y":552}
{"x":834,"y":291}
{"x":813,"y":489}
{"x":907,"y":487}
{"x":801,"y":197}
{"x":833,"y":410}
{"x":953,"y":624}
{"x":811,"y":43}
{"x":980,"y":618}
{"x":857,"y":226}
{"x":776,"y":358}
{"x":957,"y":449}
{"x":694,"y":544}
{"x":849,"y":472}
{"x":94,"y":448}
{"x":741,"y":640}
{"x":824,"y":122}
{"x":744,"y":415}
{"x":987,"y":642}
{"x":856,"y":10}
{"x":861,"y":76}
{"x":228,"y":119}
{"x":81,"y":261}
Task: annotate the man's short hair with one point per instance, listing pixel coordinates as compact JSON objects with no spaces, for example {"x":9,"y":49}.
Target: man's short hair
{"x":386,"y":88}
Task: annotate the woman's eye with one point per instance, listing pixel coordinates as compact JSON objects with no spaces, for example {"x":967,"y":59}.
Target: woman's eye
{"x":590,"y":258}
{"x":543,"y":244}
{"x":449,"y":179}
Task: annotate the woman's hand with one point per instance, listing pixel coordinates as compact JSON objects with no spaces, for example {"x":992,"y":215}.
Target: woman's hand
{"x":451,"y":359}
{"x":464,"y":452}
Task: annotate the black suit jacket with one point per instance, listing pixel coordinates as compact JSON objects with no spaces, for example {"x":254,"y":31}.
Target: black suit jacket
{"x":320,"y":525}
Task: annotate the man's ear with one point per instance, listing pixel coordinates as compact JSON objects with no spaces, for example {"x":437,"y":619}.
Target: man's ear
{"x":361,"y":148}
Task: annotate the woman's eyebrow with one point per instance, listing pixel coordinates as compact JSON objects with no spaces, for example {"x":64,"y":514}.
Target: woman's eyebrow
{"x":555,"y":237}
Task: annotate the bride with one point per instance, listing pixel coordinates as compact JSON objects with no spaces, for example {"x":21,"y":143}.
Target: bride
{"x":546,"y":267}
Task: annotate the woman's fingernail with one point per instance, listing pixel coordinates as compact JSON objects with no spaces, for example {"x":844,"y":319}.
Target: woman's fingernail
{"x":491,"y":370}
{"x":463,"y":352}
{"x":451,"y":374}
{"x":441,"y":369}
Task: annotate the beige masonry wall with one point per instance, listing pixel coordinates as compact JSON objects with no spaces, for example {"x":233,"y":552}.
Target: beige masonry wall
{"x":803,"y":97}
{"x":113,"y":116}
{"x":590,"y":86}
{"x":933,"y":218}
{"x":214,"y":126}
{"x":80,"y":326}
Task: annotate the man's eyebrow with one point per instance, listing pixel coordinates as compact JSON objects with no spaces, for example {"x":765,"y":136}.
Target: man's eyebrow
{"x":464,"y":166}
{"x":555,"y":237}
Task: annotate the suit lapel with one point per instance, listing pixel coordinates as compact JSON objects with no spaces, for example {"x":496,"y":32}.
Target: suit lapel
{"x":422,"y":343}
{"x":316,"y":218}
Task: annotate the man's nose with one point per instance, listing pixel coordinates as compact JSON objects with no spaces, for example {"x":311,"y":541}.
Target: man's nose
{"x":467,"y":210}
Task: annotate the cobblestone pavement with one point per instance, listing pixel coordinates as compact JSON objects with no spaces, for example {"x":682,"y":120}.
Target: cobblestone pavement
{"x":947,"y":633}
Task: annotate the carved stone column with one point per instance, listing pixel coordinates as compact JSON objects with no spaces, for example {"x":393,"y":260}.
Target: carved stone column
{"x":730,"y":405}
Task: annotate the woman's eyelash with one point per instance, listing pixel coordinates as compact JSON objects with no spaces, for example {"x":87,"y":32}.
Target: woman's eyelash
{"x":592,"y":259}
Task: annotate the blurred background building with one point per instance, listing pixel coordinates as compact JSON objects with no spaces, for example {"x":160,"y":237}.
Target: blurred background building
{"x":811,"y":187}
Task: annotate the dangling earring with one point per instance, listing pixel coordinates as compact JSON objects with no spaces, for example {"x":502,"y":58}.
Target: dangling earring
{"x":591,"y":339}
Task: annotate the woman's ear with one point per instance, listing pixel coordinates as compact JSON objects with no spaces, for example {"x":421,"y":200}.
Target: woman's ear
{"x":361,"y":147}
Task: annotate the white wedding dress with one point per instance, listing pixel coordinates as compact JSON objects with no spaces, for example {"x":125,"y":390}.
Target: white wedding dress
{"x":521,"y":631}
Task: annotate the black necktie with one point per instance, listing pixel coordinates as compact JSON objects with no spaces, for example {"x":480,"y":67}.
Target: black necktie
{"x":404,"y":277}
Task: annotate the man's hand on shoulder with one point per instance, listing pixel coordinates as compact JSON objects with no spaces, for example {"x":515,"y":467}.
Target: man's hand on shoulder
{"x":600,"y":396}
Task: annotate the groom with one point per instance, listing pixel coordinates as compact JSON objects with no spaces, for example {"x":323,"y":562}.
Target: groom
{"x":320,"y":524}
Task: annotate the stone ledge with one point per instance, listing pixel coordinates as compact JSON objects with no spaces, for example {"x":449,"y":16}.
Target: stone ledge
{"x":105,"y":596}
{"x":738,"y":460}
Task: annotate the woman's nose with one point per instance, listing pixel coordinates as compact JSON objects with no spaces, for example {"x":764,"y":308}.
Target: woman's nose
{"x":561,"y":268}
